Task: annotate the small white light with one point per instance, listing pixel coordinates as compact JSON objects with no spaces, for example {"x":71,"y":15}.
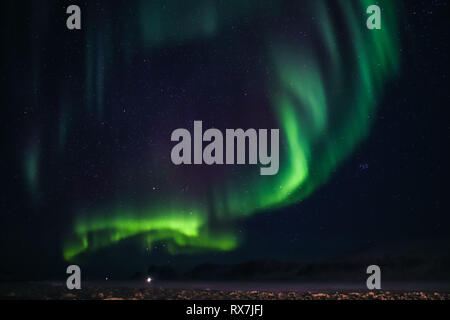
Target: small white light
{"x":148,"y":280}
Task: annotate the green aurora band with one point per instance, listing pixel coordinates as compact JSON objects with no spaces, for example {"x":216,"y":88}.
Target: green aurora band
{"x":324,"y":109}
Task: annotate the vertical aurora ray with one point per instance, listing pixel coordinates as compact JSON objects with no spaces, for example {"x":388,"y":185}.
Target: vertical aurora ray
{"x":31,"y":168}
{"x":97,"y":54}
{"x":324,"y":108}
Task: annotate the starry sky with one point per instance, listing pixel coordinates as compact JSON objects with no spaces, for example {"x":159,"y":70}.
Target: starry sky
{"x":87,"y":115}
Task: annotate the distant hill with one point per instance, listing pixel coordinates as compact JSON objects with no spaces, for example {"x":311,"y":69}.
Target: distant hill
{"x":411,"y":267}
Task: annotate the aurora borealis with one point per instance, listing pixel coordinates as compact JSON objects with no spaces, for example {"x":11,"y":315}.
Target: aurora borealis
{"x":307,"y":107}
{"x":94,"y":109}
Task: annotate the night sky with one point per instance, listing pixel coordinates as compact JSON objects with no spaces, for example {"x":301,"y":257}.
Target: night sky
{"x":86,"y":118}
